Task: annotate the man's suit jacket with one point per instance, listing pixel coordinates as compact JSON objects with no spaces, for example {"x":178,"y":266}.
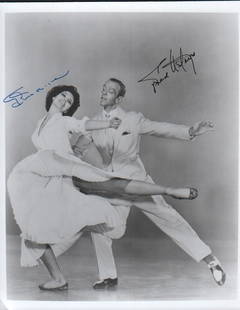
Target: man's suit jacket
{"x":120,"y":147}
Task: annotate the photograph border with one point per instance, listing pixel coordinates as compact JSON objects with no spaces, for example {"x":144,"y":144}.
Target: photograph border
{"x":167,"y":7}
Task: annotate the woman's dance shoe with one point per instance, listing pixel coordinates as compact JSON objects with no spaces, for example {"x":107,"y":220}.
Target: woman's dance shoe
{"x":216,"y":269}
{"x":63,"y":287}
{"x":193,"y":193}
{"x":184,"y":193}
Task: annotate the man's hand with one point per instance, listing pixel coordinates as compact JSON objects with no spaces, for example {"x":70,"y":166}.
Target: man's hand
{"x":200,"y":128}
{"x":115,"y":122}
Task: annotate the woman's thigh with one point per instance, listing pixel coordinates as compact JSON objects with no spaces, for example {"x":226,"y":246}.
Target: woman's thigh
{"x":114,"y":186}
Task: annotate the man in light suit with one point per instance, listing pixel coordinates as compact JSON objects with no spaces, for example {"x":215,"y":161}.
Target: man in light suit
{"x":120,"y":151}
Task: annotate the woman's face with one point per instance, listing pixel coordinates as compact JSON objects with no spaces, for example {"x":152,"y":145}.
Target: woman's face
{"x":63,"y":101}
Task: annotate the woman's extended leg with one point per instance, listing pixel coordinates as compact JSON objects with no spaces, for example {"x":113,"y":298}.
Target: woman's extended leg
{"x":133,"y":187}
{"x":57,"y":165}
{"x":118,"y":186}
{"x":57,"y":281}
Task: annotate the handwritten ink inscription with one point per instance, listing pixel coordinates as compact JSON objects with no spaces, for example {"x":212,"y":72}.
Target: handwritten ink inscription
{"x":19,"y":96}
{"x":172,"y":64}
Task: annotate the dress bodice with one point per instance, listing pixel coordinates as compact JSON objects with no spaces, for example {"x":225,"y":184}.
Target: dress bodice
{"x":56,"y":133}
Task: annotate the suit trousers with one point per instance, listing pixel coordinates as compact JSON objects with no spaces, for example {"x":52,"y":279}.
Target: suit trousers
{"x":167,"y":219}
{"x":158,"y":211}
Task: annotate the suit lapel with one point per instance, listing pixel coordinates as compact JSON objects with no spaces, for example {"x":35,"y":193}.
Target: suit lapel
{"x":118,"y":134}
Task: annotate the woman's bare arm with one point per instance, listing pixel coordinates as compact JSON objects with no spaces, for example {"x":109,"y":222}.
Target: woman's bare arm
{"x":101,"y":124}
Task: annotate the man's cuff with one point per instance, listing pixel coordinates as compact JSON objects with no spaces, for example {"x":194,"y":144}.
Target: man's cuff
{"x":191,"y":133}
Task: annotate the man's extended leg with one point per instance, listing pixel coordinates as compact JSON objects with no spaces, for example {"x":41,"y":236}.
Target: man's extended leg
{"x":176,"y":227}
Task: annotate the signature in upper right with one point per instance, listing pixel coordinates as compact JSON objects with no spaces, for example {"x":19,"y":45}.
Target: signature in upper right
{"x":161,"y":72}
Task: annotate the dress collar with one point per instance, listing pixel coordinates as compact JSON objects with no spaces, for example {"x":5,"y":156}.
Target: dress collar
{"x":55,"y":116}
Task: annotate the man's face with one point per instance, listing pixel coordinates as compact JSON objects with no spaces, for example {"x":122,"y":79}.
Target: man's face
{"x":109,"y":94}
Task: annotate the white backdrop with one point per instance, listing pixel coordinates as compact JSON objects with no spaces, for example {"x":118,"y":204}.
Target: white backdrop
{"x":96,"y":46}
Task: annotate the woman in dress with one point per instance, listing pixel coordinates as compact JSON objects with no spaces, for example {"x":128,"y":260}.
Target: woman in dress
{"x":47,"y":207}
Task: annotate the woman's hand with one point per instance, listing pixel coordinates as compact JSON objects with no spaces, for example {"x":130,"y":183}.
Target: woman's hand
{"x":114,"y":122}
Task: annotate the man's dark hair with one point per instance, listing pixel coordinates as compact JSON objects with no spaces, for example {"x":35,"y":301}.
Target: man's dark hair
{"x":122,"y":90}
{"x":53,"y":92}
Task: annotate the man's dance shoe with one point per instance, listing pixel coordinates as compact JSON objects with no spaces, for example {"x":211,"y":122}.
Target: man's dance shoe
{"x":106,"y":283}
{"x":216,"y":269}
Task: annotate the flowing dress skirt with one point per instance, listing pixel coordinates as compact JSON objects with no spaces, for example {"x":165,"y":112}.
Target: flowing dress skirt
{"x":47,"y":207}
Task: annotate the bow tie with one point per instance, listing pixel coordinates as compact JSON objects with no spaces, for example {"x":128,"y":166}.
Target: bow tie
{"x":107,"y":115}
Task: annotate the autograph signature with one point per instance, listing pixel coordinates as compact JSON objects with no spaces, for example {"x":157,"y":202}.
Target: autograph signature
{"x":176,"y":64}
{"x":19,"y":96}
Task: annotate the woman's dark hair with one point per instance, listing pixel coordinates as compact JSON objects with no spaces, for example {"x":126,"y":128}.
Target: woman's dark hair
{"x":53,"y":92}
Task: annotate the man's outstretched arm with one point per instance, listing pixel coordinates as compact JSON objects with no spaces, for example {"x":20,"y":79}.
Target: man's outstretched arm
{"x":170,"y":130}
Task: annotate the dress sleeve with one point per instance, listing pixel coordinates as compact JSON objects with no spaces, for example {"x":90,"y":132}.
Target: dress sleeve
{"x":76,"y":125}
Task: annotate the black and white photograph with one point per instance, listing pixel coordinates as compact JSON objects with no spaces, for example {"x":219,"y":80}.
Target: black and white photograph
{"x":121,"y":155}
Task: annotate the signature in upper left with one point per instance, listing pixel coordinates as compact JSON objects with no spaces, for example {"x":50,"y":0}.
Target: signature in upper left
{"x":19,"y":95}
